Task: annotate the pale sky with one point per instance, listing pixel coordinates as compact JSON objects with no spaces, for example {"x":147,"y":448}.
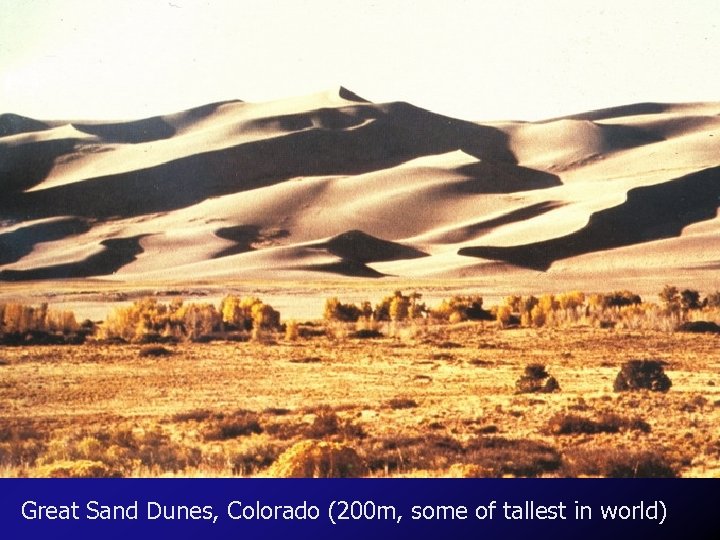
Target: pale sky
{"x":478,"y":60}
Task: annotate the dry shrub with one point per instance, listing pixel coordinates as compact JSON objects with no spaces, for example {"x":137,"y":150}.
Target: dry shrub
{"x":277,"y":411}
{"x":196,"y":415}
{"x":155,"y":351}
{"x":468,"y":470}
{"x":695,"y":403}
{"x":124,"y":449}
{"x":536,"y":379}
{"x":327,"y":424}
{"x":82,"y":468}
{"x":285,"y":430}
{"x":20,"y":444}
{"x":570,"y":424}
{"x":402,"y":403}
{"x":515,"y":457}
{"x":365,"y":333}
{"x":642,"y":375}
{"x":318,"y":459}
{"x":254,"y":457}
{"x":306,"y":360}
{"x":492,"y":456}
{"x":449,"y":345}
{"x":699,"y":327}
{"x":480,"y":362}
{"x":396,"y":454}
{"x":292,"y":331}
{"x":611,"y":462}
{"x":238,"y":425}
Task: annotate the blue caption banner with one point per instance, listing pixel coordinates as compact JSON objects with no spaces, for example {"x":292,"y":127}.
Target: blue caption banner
{"x":369,"y":508}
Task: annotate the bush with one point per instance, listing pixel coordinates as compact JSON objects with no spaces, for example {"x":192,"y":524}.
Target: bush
{"x":399,"y":307}
{"x":318,"y":459}
{"x":291,"y":331}
{"x":154,"y":351}
{"x":699,"y":327}
{"x":617,"y":463}
{"x":22,"y":325}
{"x":517,"y":457}
{"x":327,"y":424}
{"x":337,"y":311}
{"x":241,"y":424}
{"x":571,"y":424}
{"x":642,"y":375}
{"x":76,"y":469}
{"x":494,"y":456}
{"x":366,"y":334}
{"x":462,"y":308}
{"x":394,"y":454}
{"x":536,"y":379}
{"x":402,"y":403}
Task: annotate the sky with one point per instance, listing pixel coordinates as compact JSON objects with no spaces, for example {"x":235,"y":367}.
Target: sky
{"x":477,"y":60}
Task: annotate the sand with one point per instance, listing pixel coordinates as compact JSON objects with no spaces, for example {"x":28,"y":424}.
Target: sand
{"x":332,"y":185}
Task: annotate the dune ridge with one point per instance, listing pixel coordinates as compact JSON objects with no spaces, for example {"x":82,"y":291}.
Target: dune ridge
{"x":332,"y":184}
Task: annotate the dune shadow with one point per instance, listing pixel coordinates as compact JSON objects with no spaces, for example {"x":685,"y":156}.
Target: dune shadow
{"x":133,"y":132}
{"x":17,"y":244}
{"x":117,"y":253}
{"x":14,"y":124}
{"x":359,"y":247}
{"x":343,"y":268}
{"x":355,"y":249}
{"x":635,"y":109}
{"x":467,"y":232}
{"x":497,"y":177}
{"x":24,"y":166}
{"x":649,"y":213}
{"x":247,"y":238}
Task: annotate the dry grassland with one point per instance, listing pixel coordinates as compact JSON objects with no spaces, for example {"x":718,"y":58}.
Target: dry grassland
{"x":437,"y":401}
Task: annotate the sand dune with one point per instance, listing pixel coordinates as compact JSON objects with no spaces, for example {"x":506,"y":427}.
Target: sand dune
{"x":12,"y":124}
{"x":331,"y":184}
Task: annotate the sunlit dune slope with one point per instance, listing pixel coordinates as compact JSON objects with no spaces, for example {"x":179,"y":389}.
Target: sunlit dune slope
{"x":330,"y":184}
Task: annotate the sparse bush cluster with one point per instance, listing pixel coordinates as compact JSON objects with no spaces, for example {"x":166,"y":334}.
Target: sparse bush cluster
{"x":148,"y":320}
{"x":571,"y":424}
{"x":620,"y":309}
{"x":461,"y":308}
{"x":397,"y":307}
{"x":617,"y":463}
{"x":119,"y":451}
{"x":28,"y":324}
{"x":487,"y":456}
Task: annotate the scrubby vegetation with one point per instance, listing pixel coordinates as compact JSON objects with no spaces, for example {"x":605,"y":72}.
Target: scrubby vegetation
{"x":148,"y":320}
{"x":536,"y":379}
{"x":440,"y":391}
{"x":22,"y":324}
{"x":642,"y":375}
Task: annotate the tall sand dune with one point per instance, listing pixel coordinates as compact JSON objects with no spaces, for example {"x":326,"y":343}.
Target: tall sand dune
{"x":333,"y":185}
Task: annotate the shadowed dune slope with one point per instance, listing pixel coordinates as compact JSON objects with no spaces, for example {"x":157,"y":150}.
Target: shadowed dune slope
{"x":21,"y":241}
{"x":359,"y":247}
{"x":150,"y":129}
{"x":23,"y":166}
{"x":116,"y":253}
{"x":331,"y":184}
{"x":650,"y":213}
{"x":398,"y":132}
{"x":12,"y":124}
